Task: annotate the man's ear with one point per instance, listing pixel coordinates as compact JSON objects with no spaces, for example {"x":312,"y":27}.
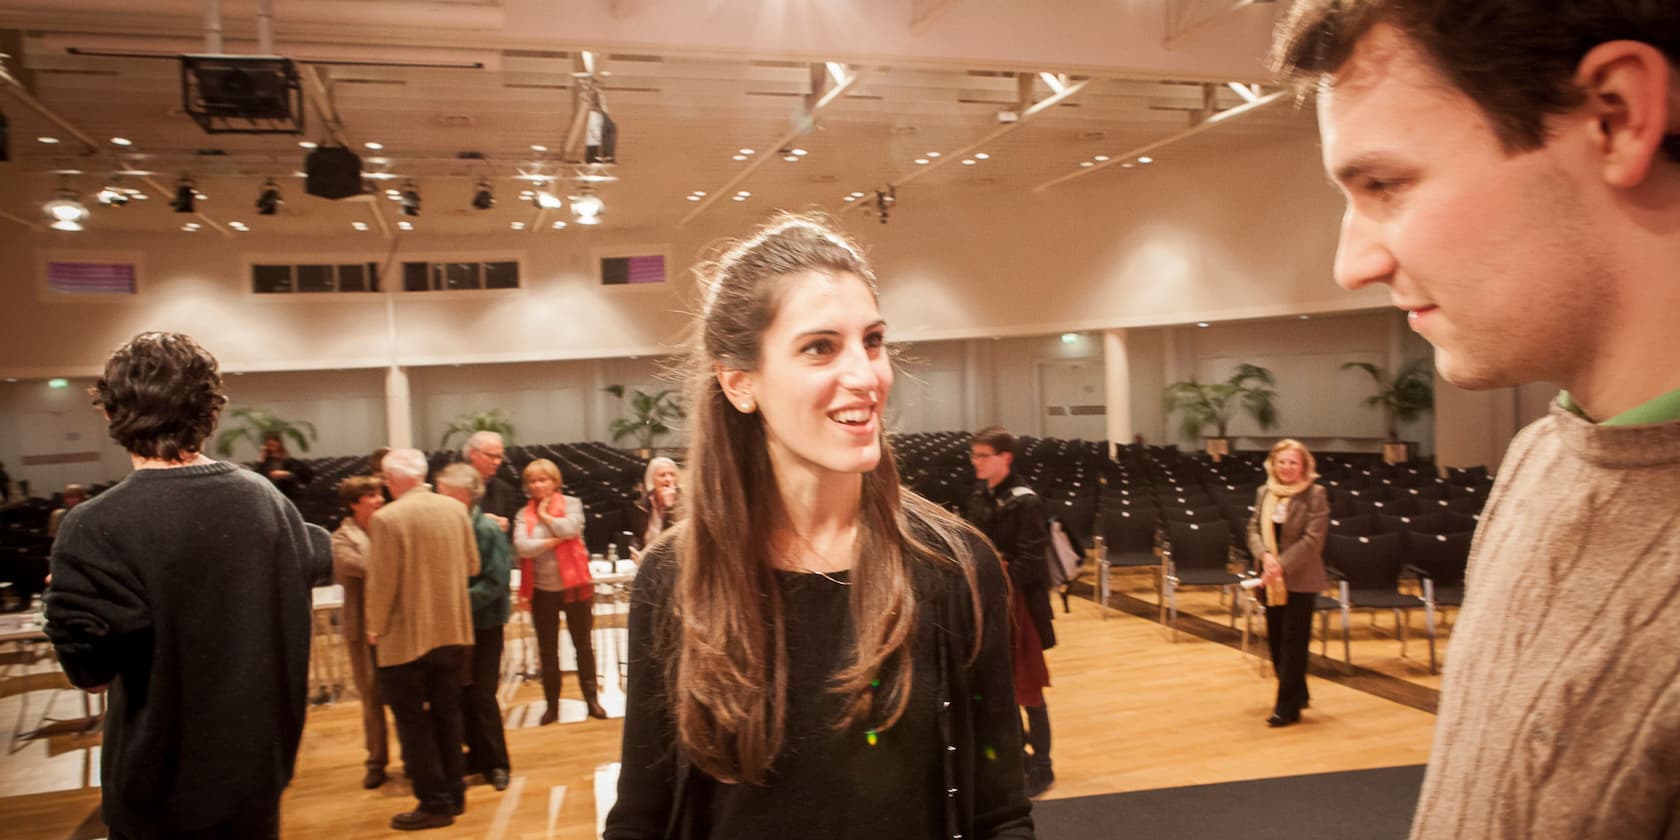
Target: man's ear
{"x":737,"y":386}
{"x":1633,"y":100}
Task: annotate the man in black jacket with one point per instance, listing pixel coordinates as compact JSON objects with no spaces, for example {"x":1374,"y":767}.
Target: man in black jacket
{"x":185,"y":591}
{"x":1012,"y":517}
{"x":502,"y":501}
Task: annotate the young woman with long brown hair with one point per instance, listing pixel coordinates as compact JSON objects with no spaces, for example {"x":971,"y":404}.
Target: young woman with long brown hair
{"x":816,"y":651}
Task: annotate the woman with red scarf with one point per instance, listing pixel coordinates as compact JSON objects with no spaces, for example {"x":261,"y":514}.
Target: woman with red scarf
{"x":554,"y":578}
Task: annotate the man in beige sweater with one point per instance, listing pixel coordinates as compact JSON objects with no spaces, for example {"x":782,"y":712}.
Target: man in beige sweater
{"x":422,"y":551}
{"x":1512,"y":172}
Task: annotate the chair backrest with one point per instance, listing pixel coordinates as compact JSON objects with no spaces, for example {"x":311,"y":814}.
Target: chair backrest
{"x":1368,"y":562}
{"x":1441,"y":556}
{"x":1129,"y":529}
{"x":1199,"y":545}
{"x":1194,"y":513}
{"x":1354,"y":525}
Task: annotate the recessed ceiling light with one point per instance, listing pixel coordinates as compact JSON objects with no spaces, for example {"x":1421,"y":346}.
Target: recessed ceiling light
{"x":743,"y":193}
{"x":1127,"y":165}
{"x":1146,"y":160}
{"x":800,"y":152}
{"x":372,"y":146}
{"x":48,"y":140}
{"x":558,"y":224}
{"x":695,"y":197}
{"x":849,"y":198}
{"x":121,"y":141}
{"x":1305,"y":317}
{"x":536,"y":147}
{"x":405,"y":225}
{"x":739,"y":157}
{"x":1086,"y":163}
{"x":307,"y":144}
{"x":238,"y":226}
{"x":698,"y":192}
{"x":739,"y":198}
{"x":1100,"y":158}
{"x":1203,"y":324}
{"x":921,"y":161}
{"x":791,"y":158}
{"x":526,"y":193}
{"x":933,"y":154}
{"x":517,"y":225}
{"x":857,"y":194}
{"x":968,"y":162}
{"x":746,"y":152}
{"x":982,"y":156}
{"x":359,"y":225}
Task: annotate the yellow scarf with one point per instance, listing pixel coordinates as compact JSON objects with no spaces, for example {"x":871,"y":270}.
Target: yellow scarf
{"x":1276,"y":491}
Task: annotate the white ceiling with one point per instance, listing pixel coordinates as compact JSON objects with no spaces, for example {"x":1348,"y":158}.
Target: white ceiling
{"x":681,"y":114}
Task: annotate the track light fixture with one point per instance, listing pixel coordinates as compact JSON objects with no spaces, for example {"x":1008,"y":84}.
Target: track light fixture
{"x":587,"y":207}
{"x":185,"y":196}
{"x":65,"y":211}
{"x":409,"y":199}
{"x":885,"y":199}
{"x":269,"y":200}
{"x":483,"y":199}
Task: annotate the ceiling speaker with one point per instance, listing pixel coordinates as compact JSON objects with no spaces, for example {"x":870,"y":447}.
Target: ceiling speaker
{"x":333,"y":172}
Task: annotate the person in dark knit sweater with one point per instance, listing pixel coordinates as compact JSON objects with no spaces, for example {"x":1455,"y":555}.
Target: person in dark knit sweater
{"x":184,"y":591}
{"x":815,"y":651}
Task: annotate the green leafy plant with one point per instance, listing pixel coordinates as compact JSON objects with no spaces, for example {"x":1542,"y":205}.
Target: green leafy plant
{"x":1405,"y":396}
{"x":255,"y":424}
{"x":1200,"y":404}
{"x":650,"y":415}
{"x":484,"y":421}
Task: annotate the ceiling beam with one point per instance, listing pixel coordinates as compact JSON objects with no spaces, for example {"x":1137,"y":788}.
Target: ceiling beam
{"x":1062,"y":90}
{"x":1186,"y":17}
{"x":923,"y":13}
{"x":834,"y":80}
{"x":1127,"y":157}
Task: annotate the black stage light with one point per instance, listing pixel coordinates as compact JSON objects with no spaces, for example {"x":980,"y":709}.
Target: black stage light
{"x":269,"y":200}
{"x":601,"y":138}
{"x":483,"y":199}
{"x":410,"y":200}
{"x":5,"y":139}
{"x":185,"y":195}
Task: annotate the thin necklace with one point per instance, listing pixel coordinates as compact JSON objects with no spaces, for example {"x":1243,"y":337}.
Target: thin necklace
{"x":808,"y":570}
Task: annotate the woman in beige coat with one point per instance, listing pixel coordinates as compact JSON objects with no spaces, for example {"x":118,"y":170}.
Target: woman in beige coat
{"x":1286,"y":539}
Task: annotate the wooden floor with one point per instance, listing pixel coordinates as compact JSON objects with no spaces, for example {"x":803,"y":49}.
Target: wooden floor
{"x":1131,"y":711}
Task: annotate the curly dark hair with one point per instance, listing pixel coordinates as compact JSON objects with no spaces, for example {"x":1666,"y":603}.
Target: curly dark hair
{"x":161,"y":394}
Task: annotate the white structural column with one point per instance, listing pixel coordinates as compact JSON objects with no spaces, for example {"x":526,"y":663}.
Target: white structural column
{"x":977,"y":389}
{"x":1117,"y":386}
{"x":399,"y":409}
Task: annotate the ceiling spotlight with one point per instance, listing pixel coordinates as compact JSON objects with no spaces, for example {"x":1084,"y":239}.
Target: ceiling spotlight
{"x":559,"y":224}
{"x":1146,"y":160}
{"x":410,"y":199}
{"x":47,"y":140}
{"x":745,"y":152}
{"x":1100,"y":158}
{"x":982,"y":156}
{"x":64,"y":210}
{"x":269,"y":200}
{"x":372,"y":146}
{"x":239,"y":226}
{"x":1086,"y":164}
{"x":482,"y":198}
{"x":308,"y":144}
{"x":695,"y":197}
{"x":921,"y":161}
{"x":968,"y":162}
{"x":791,"y":158}
{"x":538,"y":148}
{"x":932,"y":154}
{"x":185,"y":195}
{"x":112,"y":194}
{"x":121,"y":141}
{"x":547,"y":200}
{"x":798,"y":152}
{"x":359,"y":225}
{"x":404,"y":224}
{"x":857,"y":194}
{"x":739,"y":157}
{"x":738,"y":198}
{"x":517,"y":225}
{"x":587,"y":207}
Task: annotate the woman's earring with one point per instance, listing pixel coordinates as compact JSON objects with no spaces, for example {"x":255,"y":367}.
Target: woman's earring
{"x":746,"y":406}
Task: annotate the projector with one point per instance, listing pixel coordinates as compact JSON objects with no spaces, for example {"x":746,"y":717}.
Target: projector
{"x":242,"y":94}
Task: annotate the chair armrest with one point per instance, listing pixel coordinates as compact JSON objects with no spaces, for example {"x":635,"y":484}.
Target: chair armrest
{"x":1334,"y":573}
{"x":1418,"y":572}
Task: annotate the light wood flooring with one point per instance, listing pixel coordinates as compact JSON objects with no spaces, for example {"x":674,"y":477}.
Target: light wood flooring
{"x":1131,"y":711}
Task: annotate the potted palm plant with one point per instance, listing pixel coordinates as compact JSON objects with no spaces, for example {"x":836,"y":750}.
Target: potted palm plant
{"x":484,"y":421}
{"x":1403,"y":398}
{"x":1201,"y":404}
{"x":650,"y":417}
{"x":256,"y":424}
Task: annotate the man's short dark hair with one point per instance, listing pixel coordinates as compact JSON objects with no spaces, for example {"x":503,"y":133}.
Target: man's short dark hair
{"x":997,"y":437}
{"x":161,"y":394}
{"x":1516,"y":59}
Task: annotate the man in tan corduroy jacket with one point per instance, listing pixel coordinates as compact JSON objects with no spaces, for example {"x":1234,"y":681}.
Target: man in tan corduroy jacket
{"x":422,"y":551}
